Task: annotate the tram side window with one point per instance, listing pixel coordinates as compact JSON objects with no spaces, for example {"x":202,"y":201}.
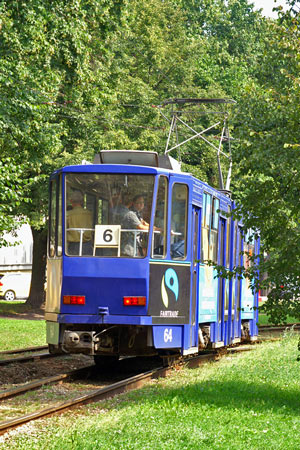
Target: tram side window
{"x":213,"y":245}
{"x":159,"y":242}
{"x":209,"y":235}
{"x":205,"y":226}
{"x":55,"y":223}
{"x":248,"y":249}
{"x":179,"y":221}
{"x":228,"y":239}
{"x":59,"y":220}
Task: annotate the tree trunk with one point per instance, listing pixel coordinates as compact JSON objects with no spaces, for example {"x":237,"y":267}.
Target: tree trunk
{"x":39,"y":260}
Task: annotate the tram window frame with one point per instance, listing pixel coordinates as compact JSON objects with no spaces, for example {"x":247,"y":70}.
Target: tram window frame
{"x":101,"y":212}
{"x":210,"y":228}
{"x":55,"y":218}
{"x":204,"y":230}
{"x":228,"y":236}
{"x":185,"y":225}
{"x":59,"y":251}
{"x":214,"y":231}
{"x":249,"y":249}
{"x":163,"y":234}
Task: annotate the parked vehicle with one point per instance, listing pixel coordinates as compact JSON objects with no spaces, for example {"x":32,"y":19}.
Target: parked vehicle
{"x":15,"y":285}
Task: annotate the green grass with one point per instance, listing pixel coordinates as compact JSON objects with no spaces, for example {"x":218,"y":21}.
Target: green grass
{"x":246,"y":401}
{"x":16,"y":307}
{"x":263,"y":319}
{"x":18,"y":333}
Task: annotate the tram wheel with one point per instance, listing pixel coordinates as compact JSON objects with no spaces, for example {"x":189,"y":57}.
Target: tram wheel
{"x":104,"y":362}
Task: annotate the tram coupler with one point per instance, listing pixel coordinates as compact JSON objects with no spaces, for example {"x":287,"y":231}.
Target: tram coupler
{"x":80,"y":341}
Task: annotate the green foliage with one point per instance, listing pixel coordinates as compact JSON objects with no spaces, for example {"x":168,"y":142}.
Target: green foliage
{"x":267,"y":181}
{"x":78,"y":76}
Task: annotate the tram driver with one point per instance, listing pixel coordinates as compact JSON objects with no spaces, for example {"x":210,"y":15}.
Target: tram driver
{"x":134,"y":244}
{"x":79,"y":225}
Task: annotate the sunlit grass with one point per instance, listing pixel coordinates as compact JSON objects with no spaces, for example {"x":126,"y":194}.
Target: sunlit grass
{"x":263,"y":319}
{"x":18,"y":333}
{"x":246,"y":401}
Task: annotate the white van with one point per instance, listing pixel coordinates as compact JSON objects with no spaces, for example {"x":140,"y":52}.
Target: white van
{"x":15,"y":285}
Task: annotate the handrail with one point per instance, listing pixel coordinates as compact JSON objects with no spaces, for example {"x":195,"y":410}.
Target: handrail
{"x":136,"y":231}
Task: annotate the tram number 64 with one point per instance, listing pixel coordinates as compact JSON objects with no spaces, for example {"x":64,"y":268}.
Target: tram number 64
{"x":168,"y":335}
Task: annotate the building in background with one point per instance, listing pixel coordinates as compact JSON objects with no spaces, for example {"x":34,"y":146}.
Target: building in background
{"x":17,"y":258}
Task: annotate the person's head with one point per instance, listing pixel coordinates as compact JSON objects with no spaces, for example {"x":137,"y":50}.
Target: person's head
{"x":76,"y":198}
{"x":115,"y":196}
{"x":138,"y":203}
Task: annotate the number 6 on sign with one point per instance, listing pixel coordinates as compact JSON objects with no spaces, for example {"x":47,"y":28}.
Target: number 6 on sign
{"x":107,"y":236}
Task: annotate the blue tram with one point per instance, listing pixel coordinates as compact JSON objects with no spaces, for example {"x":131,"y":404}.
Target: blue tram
{"x":128,"y":237}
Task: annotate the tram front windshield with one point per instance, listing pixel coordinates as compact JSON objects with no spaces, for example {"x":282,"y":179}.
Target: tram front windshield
{"x":108,"y":215}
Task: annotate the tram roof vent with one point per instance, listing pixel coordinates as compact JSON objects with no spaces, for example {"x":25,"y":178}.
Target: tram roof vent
{"x":226,"y":192}
{"x":137,"y":158}
{"x":131,"y":157}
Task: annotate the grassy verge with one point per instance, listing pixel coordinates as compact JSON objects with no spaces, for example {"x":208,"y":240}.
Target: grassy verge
{"x":263,"y":319}
{"x":247,"y":401}
{"x":21,"y":333}
{"x":15,"y":307}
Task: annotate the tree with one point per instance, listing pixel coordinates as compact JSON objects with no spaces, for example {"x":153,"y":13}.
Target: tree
{"x":77,"y":76}
{"x":47,"y":82}
{"x":267,"y":182}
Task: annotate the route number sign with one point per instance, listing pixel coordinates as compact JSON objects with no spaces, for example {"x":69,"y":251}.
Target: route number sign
{"x":107,"y":235}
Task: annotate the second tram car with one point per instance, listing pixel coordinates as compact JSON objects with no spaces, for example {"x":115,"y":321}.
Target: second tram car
{"x":126,"y":273}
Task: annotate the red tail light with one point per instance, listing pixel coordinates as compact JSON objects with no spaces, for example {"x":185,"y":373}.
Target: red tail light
{"x":134,"y":301}
{"x":74,"y":300}
{"x":1,"y":284}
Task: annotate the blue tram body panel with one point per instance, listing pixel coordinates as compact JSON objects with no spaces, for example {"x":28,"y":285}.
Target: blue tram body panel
{"x":162,"y":296}
{"x":104,"y":283}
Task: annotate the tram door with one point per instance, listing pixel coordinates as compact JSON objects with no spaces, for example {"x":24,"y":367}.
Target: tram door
{"x":195,"y":275}
{"x":221,"y":282}
{"x":223,"y":299}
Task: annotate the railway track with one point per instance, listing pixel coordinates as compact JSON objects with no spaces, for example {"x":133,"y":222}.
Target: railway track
{"x":28,"y":358}
{"x":24,"y":350}
{"x":76,"y":373}
{"x":270,"y":328}
{"x":133,"y":382}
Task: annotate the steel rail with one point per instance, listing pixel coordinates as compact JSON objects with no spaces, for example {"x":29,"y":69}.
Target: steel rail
{"x":21,"y":359}
{"x":8,"y":393}
{"x":278,"y":328}
{"x":24,"y":350}
{"x":134,"y":382}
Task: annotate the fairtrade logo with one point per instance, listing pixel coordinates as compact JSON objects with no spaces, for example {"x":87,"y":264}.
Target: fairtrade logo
{"x":169,"y":280}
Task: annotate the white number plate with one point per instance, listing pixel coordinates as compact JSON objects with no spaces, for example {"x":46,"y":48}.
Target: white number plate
{"x":107,"y":235}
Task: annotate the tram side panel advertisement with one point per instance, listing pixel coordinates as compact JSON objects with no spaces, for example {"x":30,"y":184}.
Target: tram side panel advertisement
{"x":169,"y":293}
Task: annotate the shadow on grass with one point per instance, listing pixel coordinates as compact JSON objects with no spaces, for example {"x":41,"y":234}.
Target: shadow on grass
{"x":236,"y":395}
{"x":19,"y":309}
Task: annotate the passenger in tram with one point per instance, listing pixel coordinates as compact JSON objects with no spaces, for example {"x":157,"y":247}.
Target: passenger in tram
{"x":120,"y":204}
{"x":131,"y":221}
{"x":79,"y":217}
